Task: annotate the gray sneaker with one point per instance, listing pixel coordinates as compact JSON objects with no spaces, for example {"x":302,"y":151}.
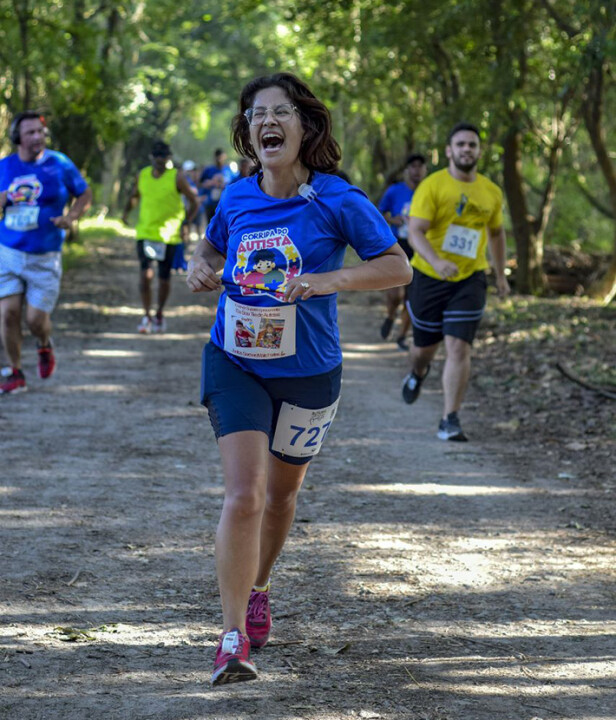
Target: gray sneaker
{"x":411,"y":386}
{"x":451,"y":429}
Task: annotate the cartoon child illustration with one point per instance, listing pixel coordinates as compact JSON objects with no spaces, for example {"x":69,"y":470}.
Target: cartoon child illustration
{"x":243,"y":336}
{"x":265,"y":273}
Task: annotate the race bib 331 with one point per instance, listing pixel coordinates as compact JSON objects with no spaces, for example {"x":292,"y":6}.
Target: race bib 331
{"x":460,"y":240}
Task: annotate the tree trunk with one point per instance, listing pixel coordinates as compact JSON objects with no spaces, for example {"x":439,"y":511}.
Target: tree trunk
{"x":379,"y":162}
{"x":110,"y":180}
{"x":22,"y":11}
{"x":605,"y":288}
{"x":529,"y":245}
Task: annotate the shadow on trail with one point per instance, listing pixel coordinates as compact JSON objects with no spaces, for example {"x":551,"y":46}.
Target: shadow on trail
{"x":464,"y":586}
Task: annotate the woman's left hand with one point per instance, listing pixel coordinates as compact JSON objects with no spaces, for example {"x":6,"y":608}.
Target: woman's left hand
{"x":305,"y":286}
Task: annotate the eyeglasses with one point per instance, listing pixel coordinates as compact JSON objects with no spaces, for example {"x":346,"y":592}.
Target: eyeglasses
{"x":282,"y":113}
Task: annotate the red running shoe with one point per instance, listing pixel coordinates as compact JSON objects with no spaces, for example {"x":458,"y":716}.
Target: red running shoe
{"x":233,"y":662}
{"x":46,"y":361}
{"x":258,"y":618}
{"x":12,"y":382}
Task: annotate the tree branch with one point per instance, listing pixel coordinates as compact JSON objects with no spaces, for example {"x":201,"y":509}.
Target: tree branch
{"x":589,"y":386}
{"x":558,"y":19}
{"x":597,"y":204}
{"x":450,"y":77}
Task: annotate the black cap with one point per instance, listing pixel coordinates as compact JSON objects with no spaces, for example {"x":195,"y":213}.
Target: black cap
{"x":416,"y":156}
{"x":160,"y":149}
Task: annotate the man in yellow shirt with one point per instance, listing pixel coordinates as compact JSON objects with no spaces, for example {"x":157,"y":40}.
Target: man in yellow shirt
{"x":455,"y":214}
{"x":159,"y":190}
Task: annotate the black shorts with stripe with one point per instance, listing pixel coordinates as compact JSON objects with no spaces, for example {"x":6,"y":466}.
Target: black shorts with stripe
{"x":441,"y":307}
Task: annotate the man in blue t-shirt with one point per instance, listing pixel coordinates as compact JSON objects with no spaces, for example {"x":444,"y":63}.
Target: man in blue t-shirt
{"x":214,"y":179}
{"x":244,"y":169}
{"x":395,"y":205}
{"x":35,"y":186}
{"x":192,"y":228}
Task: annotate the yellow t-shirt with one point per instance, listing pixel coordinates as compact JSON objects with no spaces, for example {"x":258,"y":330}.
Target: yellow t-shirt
{"x":459,"y":213}
{"x":161,"y":210}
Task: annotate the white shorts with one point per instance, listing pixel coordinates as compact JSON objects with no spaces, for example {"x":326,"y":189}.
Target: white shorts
{"x":35,"y":276}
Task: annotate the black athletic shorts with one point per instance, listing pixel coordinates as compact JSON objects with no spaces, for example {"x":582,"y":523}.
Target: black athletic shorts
{"x":408,"y":250}
{"x":441,"y":307}
{"x":164,"y":266}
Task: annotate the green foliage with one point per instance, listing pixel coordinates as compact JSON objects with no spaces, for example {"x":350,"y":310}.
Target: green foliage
{"x":62,"y":57}
{"x":395,"y":75}
{"x":575,"y":223}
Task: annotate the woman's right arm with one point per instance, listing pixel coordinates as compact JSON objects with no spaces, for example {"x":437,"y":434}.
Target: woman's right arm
{"x":203,"y":267}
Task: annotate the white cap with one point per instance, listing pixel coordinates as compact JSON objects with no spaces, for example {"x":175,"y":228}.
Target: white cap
{"x":188,"y":165}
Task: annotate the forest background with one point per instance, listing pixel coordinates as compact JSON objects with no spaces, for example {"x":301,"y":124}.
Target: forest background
{"x":535,"y":75}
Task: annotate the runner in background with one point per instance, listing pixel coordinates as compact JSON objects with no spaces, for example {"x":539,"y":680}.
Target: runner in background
{"x":395,"y":205}
{"x":272,"y":370}
{"x":456,"y":212}
{"x":244,"y":168}
{"x":214,"y":179}
{"x":190,"y":230}
{"x":35,"y":186}
{"x":158,"y":190}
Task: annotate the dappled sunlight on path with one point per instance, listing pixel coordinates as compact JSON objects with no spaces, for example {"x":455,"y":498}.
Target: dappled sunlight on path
{"x":421,"y":579}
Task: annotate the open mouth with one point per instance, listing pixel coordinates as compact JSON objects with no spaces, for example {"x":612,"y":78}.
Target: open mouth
{"x":271,"y":141}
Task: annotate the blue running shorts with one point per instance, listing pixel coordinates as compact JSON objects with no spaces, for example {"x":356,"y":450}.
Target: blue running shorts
{"x":238,"y":400}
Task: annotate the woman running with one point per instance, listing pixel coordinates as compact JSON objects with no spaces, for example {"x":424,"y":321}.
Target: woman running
{"x":279,"y":237}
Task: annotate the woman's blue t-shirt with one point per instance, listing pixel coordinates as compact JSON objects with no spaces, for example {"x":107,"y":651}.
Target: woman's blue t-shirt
{"x":267,"y":241}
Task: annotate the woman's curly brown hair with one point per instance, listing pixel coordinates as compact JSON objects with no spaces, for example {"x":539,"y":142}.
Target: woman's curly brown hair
{"x":319,"y":151}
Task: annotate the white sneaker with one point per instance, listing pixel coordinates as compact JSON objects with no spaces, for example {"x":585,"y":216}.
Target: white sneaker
{"x":145,"y":326}
{"x":159,"y":325}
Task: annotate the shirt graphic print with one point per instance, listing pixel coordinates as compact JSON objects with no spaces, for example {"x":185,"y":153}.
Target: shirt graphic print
{"x":266,"y":261}
{"x":25,"y":189}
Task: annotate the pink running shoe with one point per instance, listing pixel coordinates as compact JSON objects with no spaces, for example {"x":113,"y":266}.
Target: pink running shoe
{"x":233,"y":662}
{"x":258,"y":618}
{"x":46,"y":361}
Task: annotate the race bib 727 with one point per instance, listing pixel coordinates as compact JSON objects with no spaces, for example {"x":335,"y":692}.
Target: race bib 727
{"x":300,"y":432}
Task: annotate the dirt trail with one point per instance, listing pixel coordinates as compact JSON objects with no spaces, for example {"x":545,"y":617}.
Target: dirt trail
{"x":421,"y":580}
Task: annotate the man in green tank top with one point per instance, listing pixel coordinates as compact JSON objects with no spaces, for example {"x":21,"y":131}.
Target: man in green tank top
{"x":158,"y":190}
